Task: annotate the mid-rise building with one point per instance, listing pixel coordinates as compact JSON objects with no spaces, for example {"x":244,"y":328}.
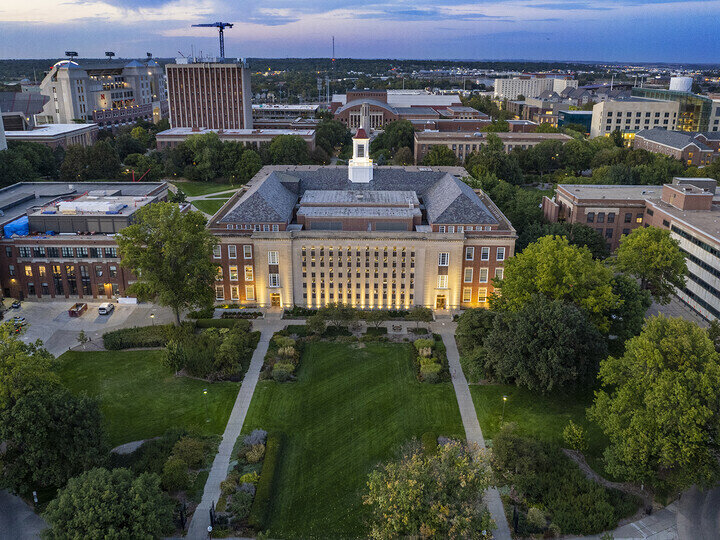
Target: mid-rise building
{"x":696,"y":149}
{"x":696,"y":112}
{"x":372,"y":237}
{"x":632,"y":115}
{"x":688,"y":208}
{"x":54,"y":135}
{"x":532,"y":85}
{"x":212,"y":95}
{"x":59,"y":238}
{"x":463,"y":144}
{"x":248,"y":137}
{"x":108,"y":93}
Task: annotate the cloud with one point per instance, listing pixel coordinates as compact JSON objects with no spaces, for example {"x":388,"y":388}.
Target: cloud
{"x":569,"y":6}
{"x":429,"y":14}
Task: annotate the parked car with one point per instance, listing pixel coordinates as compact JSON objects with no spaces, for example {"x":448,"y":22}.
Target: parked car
{"x":106,"y":308}
{"x":18,"y":320}
{"x":15,"y":304}
{"x":77,"y":309}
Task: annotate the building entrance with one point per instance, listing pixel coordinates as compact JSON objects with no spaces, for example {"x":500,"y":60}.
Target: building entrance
{"x":275,"y":299}
{"x":440,"y":302}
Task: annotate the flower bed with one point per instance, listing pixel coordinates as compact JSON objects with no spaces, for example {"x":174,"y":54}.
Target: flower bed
{"x":241,"y":315}
{"x":431,"y":359}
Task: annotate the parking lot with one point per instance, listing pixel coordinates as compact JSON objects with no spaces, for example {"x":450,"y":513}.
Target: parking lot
{"x":50,"y":321}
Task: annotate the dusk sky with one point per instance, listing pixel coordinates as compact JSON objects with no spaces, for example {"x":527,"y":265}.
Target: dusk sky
{"x":627,"y":30}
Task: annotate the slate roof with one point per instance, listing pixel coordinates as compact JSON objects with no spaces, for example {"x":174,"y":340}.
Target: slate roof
{"x":446,"y":198}
{"x":673,"y":139}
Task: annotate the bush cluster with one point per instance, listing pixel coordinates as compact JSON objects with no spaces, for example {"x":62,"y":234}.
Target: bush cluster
{"x":261,"y":504}
{"x":299,"y":311}
{"x":205,"y":313}
{"x":542,"y":476}
{"x":283,"y":356}
{"x":241,"y":315}
{"x":430,"y":358}
{"x":138,"y":336}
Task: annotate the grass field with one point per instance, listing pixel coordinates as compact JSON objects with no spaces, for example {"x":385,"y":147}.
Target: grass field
{"x":194,"y":189}
{"x":537,"y":416}
{"x":209,"y":206}
{"x":349,"y":410}
{"x":140,"y":398}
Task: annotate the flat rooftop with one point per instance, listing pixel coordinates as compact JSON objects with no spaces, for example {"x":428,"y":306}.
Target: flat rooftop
{"x":359,"y":212}
{"x":359,"y":197}
{"x":95,"y":205}
{"x":612,"y":192}
{"x":451,"y":135}
{"x":187,"y":131}
{"x":22,"y":198}
{"x":285,"y":107}
{"x":49,"y":130}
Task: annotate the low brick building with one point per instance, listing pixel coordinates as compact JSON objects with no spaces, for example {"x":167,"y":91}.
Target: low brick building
{"x":690,"y":148}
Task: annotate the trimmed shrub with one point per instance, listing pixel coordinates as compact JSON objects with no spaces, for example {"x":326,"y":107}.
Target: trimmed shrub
{"x":536,"y":518}
{"x":138,"y":336}
{"x":247,"y":487}
{"x":261,"y":504}
{"x":430,"y":372}
{"x":574,"y":437}
{"x":228,"y":486}
{"x":418,"y":330}
{"x":240,"y":505}
{"x":251,"y":478}
{"x":191,"y":451}
{"x":282,"y":372}
{"x":429,"y":443}
{"x":256,"y":436}
{"x":423,"y":343}
{"x":256,"y":453}
{"x":175,"y":474}
{"x":381,"y":330}
{"x":206,"y":313}
{"x":299,"y":311}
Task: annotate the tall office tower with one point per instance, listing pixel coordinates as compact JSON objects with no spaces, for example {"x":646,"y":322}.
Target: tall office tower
{"x":209,"y":94}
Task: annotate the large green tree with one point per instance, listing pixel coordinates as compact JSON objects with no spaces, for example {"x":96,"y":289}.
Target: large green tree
{"x":431,"y":496}
{"x":50,"y":436}
{"x":654,"y":257}
{"x":289,"y":150}
{"x":545,"y":346}
{"x":110,"y":504}
{"x":492,"y":159}
{"x":24,"y":367}
{"x":440,"y":155}
{"x":557,"y":270}
{"x":628,"y":318}
{"x":396,"y":135}
{"x":659,"y":406}
{"x":170,"y":252}
{"x":578,"y":234}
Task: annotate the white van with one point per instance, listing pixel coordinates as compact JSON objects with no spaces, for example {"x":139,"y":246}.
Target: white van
{"x":106,"y":308}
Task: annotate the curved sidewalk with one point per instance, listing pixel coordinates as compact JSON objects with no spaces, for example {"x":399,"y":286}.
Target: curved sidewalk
{"x":473,"y":433}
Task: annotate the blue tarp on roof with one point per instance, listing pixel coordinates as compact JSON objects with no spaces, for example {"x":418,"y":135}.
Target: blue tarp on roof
{"x":20,"y":226}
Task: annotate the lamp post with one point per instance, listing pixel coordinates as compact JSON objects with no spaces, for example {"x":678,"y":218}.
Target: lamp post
{"x":502,"y":421}
{"x":207,"y":418}
{"x":152,"y":318}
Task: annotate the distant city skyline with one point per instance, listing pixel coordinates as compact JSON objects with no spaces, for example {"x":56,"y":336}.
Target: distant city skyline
{"x":673,"y":31}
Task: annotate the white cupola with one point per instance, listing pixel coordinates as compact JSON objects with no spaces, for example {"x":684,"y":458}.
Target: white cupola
{"x":360,"y":167}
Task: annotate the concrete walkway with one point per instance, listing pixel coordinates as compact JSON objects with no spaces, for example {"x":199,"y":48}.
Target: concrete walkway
{"x":473,"y":433}
{"x":17,"y":519}
{"x":201,"y":518}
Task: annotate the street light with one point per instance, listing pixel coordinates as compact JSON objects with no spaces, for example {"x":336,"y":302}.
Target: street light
{"x":207,"y":418}
{"x":152,"y":318}
{"x":503,"y":411}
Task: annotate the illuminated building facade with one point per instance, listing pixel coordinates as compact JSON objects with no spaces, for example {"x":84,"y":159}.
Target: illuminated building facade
{"x":392,"y":238}
{"x":108,"y":93}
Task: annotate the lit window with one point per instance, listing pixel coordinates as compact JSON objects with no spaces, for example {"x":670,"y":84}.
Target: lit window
{"x":247,"y":252}
{"x":234,"y":292}
{"x":28,"y":271}
{"x":219,"y":276}
{"x":500,"y":254}
{"x":273,"y":257}
{"x":233,"y":273}
{"x":469,"y":253}
{"x":467,"y":295}
{"x":468,"y":275}
{"x":482,"y":295}
{"x":249,"y":292}
{"x":442,"y":282}
{"x":273,"y":280}
{"x":249,"y":273}
{"x":443,"y":258}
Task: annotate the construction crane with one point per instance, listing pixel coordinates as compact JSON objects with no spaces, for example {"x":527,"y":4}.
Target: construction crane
{"x":221,"y":29}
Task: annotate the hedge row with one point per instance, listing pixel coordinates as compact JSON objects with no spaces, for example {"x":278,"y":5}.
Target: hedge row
{"x":220,"y":323}
{"x":139,"y":336}
{"x":261,"y":504}
{"x":241,"y":315}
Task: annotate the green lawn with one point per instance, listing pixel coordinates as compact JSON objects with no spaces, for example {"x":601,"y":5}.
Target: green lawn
{"x":194,"y":189}
{"x":539,"y":416}
{"x":209,"y":206}
{"x":140,"y":398}
{"x":350,"y":409}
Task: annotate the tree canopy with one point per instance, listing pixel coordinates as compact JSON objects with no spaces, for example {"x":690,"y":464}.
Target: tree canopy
{"x":652,"y":256}
{"x":289,"y":150}
{"x":431,"y":496}
{"x":440,"y":155}
{"x":170,"y":252}
{"x":110,"y":504}
{"x":557,"y":270}
{"x":659,"y":406}
{"x":544,"y":346}
{"x":578,"y":234}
